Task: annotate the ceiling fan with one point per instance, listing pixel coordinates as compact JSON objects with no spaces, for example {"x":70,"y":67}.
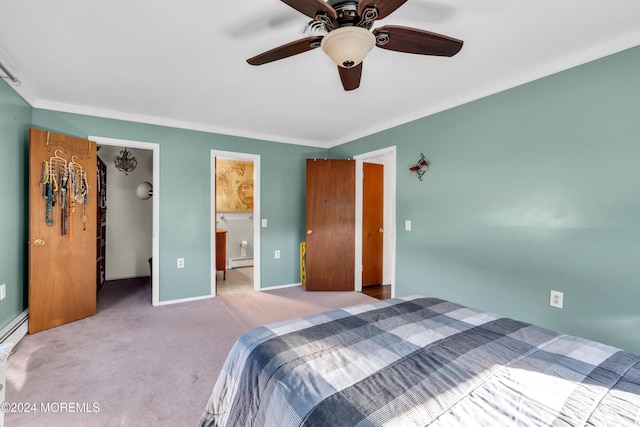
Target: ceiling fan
{"x":348,"y":38}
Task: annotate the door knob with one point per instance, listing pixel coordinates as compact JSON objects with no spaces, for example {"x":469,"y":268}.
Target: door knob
{"x":309,"y":231}
{"x":380,"y":230}
{"x":38,"y":242}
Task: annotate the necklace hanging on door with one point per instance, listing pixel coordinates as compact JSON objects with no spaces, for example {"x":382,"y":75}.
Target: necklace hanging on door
{"x":53,"y":171}
{"x":84,"y":201}
{"x":65,"y":183}
{"x":50,"y":203}
{"x":64,"y":188}
{"x":46,"y":190}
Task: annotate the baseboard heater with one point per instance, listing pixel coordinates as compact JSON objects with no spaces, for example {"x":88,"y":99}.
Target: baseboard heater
{"x":244,"y":261}
{"x":16,"y":329}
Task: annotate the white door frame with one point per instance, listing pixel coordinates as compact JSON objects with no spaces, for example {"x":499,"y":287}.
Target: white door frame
{"x":255,"y":158}
{"x":155,"y":239}
{"x":387,"y":157}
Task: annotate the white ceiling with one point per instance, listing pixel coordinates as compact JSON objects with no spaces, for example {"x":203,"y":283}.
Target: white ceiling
{"x":183,"y":64}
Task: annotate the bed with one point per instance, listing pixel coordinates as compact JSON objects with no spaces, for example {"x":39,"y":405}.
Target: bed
{"x":420,"y":361}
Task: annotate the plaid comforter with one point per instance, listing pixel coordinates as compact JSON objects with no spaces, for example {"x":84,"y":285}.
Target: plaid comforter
{"x":421,"y":361}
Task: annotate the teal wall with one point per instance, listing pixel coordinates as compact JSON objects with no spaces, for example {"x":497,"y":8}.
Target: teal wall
{"x":185,"y":205}
{"x":15,"y":118}
{"x":532,"y":189}
{"x":185,"y":208}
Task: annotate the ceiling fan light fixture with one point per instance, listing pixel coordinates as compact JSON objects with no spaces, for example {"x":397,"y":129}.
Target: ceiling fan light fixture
{"x":348,"y":46}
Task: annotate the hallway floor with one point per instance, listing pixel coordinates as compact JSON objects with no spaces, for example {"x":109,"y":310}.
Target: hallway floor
{"x":238,"y":280}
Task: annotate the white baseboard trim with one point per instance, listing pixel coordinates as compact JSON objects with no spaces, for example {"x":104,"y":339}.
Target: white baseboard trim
{"x":177,"y":301}
{"x":16,"y":329}
{"x":271,"y":288}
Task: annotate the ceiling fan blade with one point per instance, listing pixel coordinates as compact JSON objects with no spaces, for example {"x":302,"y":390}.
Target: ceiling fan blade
{"x":350,"y":77}
{"x":413,"y":40}
{"x":286,"y":50}
{"x":311,"y":8}
{"x":385,"y":7}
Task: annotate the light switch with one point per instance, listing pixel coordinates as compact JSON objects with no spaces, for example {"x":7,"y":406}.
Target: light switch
{"x":407,"y":225}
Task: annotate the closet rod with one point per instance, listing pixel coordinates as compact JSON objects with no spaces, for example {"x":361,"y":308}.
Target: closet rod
{"x":10,"y":76}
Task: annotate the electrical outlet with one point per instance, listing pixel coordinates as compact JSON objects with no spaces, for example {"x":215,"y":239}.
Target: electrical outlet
{"x":277,"y":254}
{"x":556,"y":299}
{"x":264,"y":222}
{"x":3,"y":291}
{"x":180,"y":262}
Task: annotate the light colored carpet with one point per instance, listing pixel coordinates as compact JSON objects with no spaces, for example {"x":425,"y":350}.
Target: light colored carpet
{"x":137,"y":365}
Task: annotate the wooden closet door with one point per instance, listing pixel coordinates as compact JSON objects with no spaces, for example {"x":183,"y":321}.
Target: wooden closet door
{"x":62,"y":268}
{"x":330,"y":241}
{"x":372,"y":223}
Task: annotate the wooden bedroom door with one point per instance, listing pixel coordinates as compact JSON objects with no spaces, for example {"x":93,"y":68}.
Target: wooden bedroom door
{"x":330,"y":241}
{"x":372,"y":223}
{"x":62,"y":267}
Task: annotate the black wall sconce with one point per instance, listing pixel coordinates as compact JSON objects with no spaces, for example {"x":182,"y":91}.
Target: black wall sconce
{"x":420,"y":168}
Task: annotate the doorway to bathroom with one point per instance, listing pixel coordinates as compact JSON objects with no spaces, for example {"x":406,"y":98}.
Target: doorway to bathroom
{"x":235,"y":224}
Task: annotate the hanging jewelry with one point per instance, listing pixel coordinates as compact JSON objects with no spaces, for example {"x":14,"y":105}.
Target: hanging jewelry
{"x":44,"y":177}
{"x":49,"y":201}
{"x":51,"y":171}
{"x":64,"y":188}
{"x":72,"y":199}
{"x":46,"y":192}
{"x":66,"y":184}
{"x":85,"y":201}
{"x":52,"y":188}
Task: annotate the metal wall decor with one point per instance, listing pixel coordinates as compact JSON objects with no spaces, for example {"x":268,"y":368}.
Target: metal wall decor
{"x":420,"y":167}
{"x":126,"y":162}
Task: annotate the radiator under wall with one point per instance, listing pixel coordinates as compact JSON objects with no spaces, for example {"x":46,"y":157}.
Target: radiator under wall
{"x":240,"y":262}
{"x":16,"y":329}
